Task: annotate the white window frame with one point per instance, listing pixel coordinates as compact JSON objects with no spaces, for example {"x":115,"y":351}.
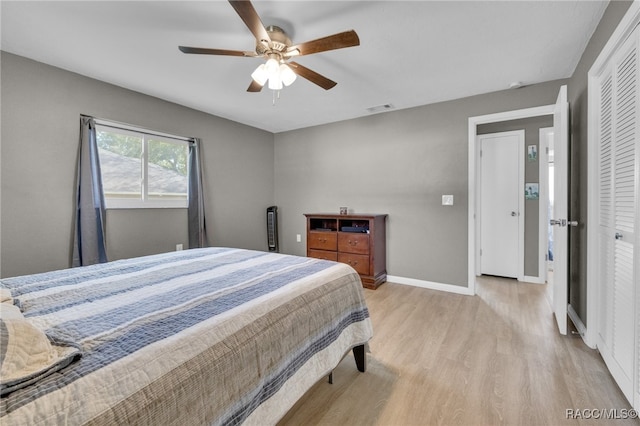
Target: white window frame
{"x":144,"y":202}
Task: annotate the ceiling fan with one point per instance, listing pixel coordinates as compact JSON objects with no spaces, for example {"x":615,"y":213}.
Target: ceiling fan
{"x":273,"y":44}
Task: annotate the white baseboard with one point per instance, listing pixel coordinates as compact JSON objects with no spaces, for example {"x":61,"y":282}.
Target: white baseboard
{"x":449,"y":288}
{"x":575,"y":319}
{"x":533,"y":280}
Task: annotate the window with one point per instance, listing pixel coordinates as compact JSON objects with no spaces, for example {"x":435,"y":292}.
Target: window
{"x":140,"y":169}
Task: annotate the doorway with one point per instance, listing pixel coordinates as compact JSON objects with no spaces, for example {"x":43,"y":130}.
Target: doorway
{"x":532,"y":205}
{"x":560,"y":113}
{"x":492,"y":123}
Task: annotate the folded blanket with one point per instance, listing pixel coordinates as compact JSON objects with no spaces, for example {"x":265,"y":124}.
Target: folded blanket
{"x":26,"y":354}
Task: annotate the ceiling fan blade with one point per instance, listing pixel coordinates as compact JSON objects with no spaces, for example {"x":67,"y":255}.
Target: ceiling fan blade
{"x":206,"y":51}
{"x":254,"y":87}
{"x":312,"y":76}
{"x":332,"y":42}
{"x":250,"y":17}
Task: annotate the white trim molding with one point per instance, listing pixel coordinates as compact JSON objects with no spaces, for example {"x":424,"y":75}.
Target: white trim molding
{"x":533,"y":280}
{"x":449,"y":288}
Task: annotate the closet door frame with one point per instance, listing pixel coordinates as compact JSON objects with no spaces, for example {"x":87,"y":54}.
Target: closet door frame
{"x":625,"y":28}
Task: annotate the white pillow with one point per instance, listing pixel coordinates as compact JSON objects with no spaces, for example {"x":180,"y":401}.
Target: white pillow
{"x":26,"y":355}
{"x":5,"y":295}
{"x":9,"y":311}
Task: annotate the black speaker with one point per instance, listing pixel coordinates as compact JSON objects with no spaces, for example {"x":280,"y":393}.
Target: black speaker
{"x":272,"y":228}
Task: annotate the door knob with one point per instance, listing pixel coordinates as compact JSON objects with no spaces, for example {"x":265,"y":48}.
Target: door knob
{"x":514,"y":214}
{"x":618,"y":236}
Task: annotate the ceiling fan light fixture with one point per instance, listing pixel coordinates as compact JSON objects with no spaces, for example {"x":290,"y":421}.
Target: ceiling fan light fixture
{"x":271,"y":67}
{"x":275,"y":82}
{"x":260,"y":75}
{"x":287,"y":75}
{"x":278,"y":76}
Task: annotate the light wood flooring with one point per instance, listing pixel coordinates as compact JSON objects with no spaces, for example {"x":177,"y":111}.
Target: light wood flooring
{"x":445,"y":359}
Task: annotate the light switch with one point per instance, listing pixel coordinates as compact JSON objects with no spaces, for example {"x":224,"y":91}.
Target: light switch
{"x":447,"y":200}
{"x":298,"y":238}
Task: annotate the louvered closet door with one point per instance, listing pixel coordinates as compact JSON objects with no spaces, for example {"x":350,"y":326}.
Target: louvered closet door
{"x":605,"y":221}
{"x":618,"y":137}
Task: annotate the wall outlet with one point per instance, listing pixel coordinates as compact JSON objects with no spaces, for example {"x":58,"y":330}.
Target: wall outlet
{"x":298,"y":238}
{"x":447,"y":200}
{"x":178,"y":247}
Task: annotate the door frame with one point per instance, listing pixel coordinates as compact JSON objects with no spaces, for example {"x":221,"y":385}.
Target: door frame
{"x":473,"y":254}
{"x":521,"y":216}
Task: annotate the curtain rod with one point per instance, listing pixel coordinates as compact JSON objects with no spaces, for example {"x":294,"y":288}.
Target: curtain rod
{"x":123,"y":126}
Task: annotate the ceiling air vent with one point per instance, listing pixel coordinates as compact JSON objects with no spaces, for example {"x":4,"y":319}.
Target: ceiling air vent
{"x":380,"y":108}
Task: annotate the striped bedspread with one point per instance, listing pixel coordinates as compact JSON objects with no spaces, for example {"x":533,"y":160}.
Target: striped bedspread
{"x":195,"y":337}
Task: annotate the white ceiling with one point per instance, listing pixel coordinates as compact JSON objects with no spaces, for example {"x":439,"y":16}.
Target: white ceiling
{"x":411,"y":53}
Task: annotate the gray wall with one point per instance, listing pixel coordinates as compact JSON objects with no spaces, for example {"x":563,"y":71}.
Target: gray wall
{"x":136,"y":232}
{"x":531,"y":127}
{"x":41,"y":106}
{"x":400,"y":163}
{"x":578,"y":198}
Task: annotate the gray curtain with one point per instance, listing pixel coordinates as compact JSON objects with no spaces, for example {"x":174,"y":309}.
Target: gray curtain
{"x":89,"y":234}
{"x":197,"y":229}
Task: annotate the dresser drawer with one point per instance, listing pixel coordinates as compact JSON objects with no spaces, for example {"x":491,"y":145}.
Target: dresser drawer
{"x":322,"y":240}
{"x":353,"y":243}
{"x":323,"y":254}
{"x":359,"y":262}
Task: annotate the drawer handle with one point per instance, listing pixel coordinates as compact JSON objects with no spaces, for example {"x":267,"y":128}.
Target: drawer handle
{"x":353,"y":243}
{"x":354,"y":263}
{"x":322,"y":240}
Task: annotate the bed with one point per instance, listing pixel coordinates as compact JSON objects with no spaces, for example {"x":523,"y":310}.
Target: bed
{"x":194,"y":337}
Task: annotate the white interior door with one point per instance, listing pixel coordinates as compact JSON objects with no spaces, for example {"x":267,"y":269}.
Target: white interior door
{"x":560,"y":209}
{"x":501,"y":190}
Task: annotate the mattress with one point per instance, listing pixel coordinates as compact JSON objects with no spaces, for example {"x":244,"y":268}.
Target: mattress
{"x":202,"y":336}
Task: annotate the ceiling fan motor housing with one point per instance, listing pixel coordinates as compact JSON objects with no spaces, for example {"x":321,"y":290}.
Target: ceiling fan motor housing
{"x":279,"y":41}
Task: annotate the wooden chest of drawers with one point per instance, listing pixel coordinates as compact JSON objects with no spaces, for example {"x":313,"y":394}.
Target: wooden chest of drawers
{"x":357,"y":240}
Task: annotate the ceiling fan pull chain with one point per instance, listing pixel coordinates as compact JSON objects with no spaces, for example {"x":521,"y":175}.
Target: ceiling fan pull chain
{"x":276,"y":95}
